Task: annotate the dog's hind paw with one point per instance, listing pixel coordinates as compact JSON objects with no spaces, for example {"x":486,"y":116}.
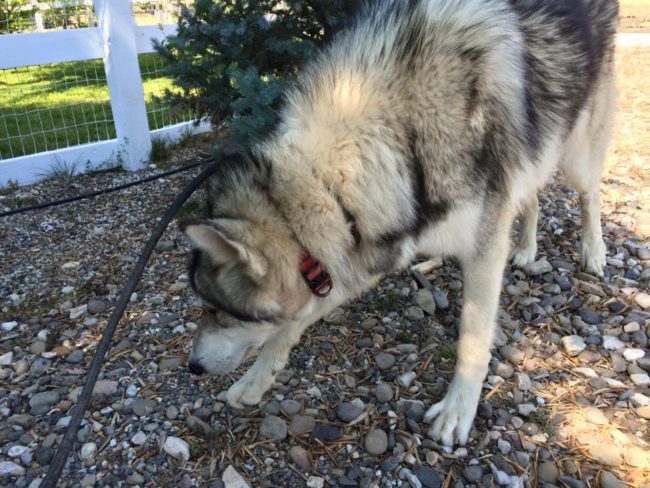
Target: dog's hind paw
{"x":522,"y":256}
{"x":454,"y":416}
{"x":249,"y":390}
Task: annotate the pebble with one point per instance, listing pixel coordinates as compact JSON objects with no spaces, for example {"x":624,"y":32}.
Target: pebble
{"x":290,"y":407}
{"x":143,"y":406}
{"x":384,"y":360}
{"x":642,"y":300}
{"x":43,"y":399}
{"x":607,"y":454}
{"x":595,"y":416}
{"x":523,"y":382}
{"x":9,"y":326}
{"x":406,"y":379}
{"x":589,"y":317}
{"x":195,"y":424}
{"x":302,"y":424}
{"x":440,"y":297}
{"x":348,"y":411}
{"x":376,"y":442}
{"x":537,"y":268}
{"x":612,"y":343}
{"x":640,"y":379}
{"x":139,"y":438}
{"x":526,"y":409}
{"x":425,"y":300}
{"x":473,"y":473}
{"x":315,"y":482}
{"x":643,"y":412}
{"x":633,"y":354}
{"x":232,"y":479}
{"x":428,"y":477}
{"x":7,"y":358}
{"x":548,"y":472}
{"x":300,"y":456}
{"x":88,"y":451}
{"x":9,"y":468}
{"x":573,"y":345}
{"x":177,"y":448}
{"x":75,"y":357}
{"x":608,"y":480}
{"x":415,"y":312}
{"x":326,"y":433}
{"x":96,"y":306}
{"x":512,"y":354}
{"x":273,"y":428}
{"x":383,"y":393}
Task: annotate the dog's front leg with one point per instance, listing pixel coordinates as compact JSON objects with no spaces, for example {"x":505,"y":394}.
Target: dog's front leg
{"x":482,"y":276}
{"x":251,"y":387}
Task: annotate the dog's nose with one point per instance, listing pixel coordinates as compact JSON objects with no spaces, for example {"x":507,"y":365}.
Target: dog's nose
{"x":195,"y":368}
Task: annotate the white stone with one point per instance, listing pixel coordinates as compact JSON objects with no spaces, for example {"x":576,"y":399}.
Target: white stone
{"x":640,"y":379}
{"x":7,"y":468}
{"x":139,"y":438}
{"x":642,"y":300}
{"x":232,"y":479}
{"x":315,"y":482}
{"x":9,"y":326}
{"x":17,"y":451}
{"x":177,"y":448}
{"x":314,"y":391}
{"x":66,"y":290}
{"x":70,"y":265}
{"x":633,"y":354}
{"x":406,"y":379}
{"x":573,"y":345}
{"x":612,"y":343}
{"x":632,"y":327}
{"x":88,"y":451}
{"x":77,"y":312}
{"x":640,"y":400}
{"x":586,"y":372}
{"x":7,"y":358}
{"x":526,"y":409}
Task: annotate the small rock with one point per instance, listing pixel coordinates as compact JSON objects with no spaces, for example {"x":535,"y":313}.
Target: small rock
{"x":7,"y":358}
{"x":9,"y":468}
{"x":197,"y":425}
{"x":165,"y":246}
{"x":589,"y":317}
{"x":75,"y":357}
{"x":636,"y":457}
{"x":595,"y":416}
{"x":633,"y":354}
{"x":383,"y":393}
{"x":406,"y":379}
{"x":105,"y":387}
{"x":440,"y":297}
{"x":504,"y":446}
{"x":642,"y":300}
{"x":384,"y":360}
{"x":415,"y":312}
{"x":9,"y":326}
{"x":424,"y":298}
{"x":290,"y":407}
{"x":96,"y":306}
{"x":526,"y":409}
{"x":607,"y":454}
{"x":232,"y":479}
{"x":376,"y":442}
{"x":512,"y":354}
{"x":143,"y":406}
{"x":643,"y":412}
{"x":573,"y":345}
{"x":632,"y":327}
{"x":300,"y":456}
{"x":88,"y":451}
{"x":572,"y":483}
{"x":326,"y":433}
{"x":612,"y":343}
{"x":473,"y":473}
{"x":169,"y":364}
{"x":135,"y":479}
{"x":348,"y":411}
{"x":302,"y":424}
{"x":139,"y":438}
{"x":273,"y":428}
{"x":44,"y":398}
{"x":335,"y":316}
{"x":640,"y":379}
{"x":523,"y":382}
{"x":315,"y":482}
{"x":608,"y":480}
{"x":548,"y":472}
{"x":428,"y":477}
{"x":177,"y":448}
{"x":538,"y":267}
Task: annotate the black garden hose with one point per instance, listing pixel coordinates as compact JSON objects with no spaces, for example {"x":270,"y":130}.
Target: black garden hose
{"x":61,"y":456}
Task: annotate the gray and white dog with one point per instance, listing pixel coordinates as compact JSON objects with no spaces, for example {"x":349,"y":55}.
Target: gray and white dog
{"x":423,"y":129}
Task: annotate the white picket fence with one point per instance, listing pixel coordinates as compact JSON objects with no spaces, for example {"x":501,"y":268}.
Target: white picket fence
{"x":117,"y":41}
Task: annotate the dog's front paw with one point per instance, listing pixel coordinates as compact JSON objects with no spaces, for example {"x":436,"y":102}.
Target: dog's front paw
{"x":453,"y":416}
{"x":521,"y":256}
{"x":249,"y":390}
{"x":593,"y":256}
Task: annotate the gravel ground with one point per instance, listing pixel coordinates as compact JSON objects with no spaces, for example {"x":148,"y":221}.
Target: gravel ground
{"x":566,"y":402}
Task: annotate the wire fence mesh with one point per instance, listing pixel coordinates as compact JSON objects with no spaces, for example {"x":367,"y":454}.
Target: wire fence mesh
{"x":50,"y":107}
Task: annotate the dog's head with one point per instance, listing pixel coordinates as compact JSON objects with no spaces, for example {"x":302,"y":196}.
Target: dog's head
{"x":244,"y":269}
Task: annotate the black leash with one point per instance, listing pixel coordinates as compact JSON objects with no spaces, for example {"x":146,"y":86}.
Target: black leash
{"x":61,"y":456}
{"x":81,"y":196}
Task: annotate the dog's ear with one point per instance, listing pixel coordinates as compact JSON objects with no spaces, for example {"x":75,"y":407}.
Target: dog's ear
{"x":222,"y":240}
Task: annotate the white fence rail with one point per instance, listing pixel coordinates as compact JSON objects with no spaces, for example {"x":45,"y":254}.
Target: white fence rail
{"x":117,"y":41}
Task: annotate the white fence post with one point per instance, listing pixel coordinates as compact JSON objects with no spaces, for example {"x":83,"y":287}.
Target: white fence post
{"x":117,"y":28}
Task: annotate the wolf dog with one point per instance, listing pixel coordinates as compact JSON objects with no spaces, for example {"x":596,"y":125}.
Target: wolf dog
{"x":423,"y":129}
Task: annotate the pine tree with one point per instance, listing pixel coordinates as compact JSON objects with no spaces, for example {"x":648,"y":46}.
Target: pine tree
{"x":231,"y":59}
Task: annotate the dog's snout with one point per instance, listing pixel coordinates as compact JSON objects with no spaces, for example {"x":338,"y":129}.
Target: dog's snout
{"x":195,"y":368}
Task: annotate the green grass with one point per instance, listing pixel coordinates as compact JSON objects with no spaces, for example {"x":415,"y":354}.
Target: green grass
{"x":60,"y":105}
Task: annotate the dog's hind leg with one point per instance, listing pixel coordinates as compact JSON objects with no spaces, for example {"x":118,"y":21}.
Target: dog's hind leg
{"x":526,"y":247}
{"x":583,"y":164}
{"x":482,"y":275}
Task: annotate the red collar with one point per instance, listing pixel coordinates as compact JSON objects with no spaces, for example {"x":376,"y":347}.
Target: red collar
{"x":317,"y":278}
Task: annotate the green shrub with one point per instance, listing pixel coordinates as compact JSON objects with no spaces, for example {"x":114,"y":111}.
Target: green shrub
{"x":232,"y":59}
